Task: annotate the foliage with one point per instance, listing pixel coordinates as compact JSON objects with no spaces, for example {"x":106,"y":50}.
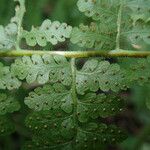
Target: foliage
{"x":70,"y":101}
{"x":8,"y":104}
{"x":63,"y":121}
{"x":6,"y":126}
{"x":52,"y":32}
{"x":42,"y":69}
{"x":7,"y":78}
{"x":134,"y":22}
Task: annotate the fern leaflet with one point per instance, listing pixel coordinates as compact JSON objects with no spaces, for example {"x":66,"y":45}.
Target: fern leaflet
{"x":52,"y":32}
{"x":42,"y":69}
{"x":132,"y":28}
{"x":65,"y":118}
{"x":8,"y":79}
{"x":8,"y":104}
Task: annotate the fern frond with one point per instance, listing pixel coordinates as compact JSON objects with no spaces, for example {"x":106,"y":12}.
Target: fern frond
{"x":6,"y":126}
{"x":94,"y":36}
{"x":139,"y":10}
{"x":99,"y":9}
{"x":101,"y":75}
{"x":8,"y":36}
{"x":61,"y":133}
{"x":7,"y":78}
{"x":50,"y":97}
{"x":131,"y":23}
{"x":62,"y":121}
{"x":59,"y":97}
{"x":92,"y":106}
{"x":10,"y":33}
{"x":68,"y":112}
{"x":137,"y":70}
{"x":52,"y":32}
{"x":42,"y":69}
{"x":105,"y":13}
{"x":137,"y":32}
{"x":8,"y":104}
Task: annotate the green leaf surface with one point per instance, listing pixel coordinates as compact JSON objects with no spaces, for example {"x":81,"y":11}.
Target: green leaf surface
{"x":49,"y":97}
{"x":59,"y":121}
{"x":140,"y":10}
{"x":7,"y":78}
{"x":6,"y":126}
{"x":52,"y":32}
{"x":99,"y":9}
{"x":128,"y":19}
{"x":93,"y":36}
{"x":61,"y":133}
{"x":42,"y":69}
{"x":90,"y":105}
{"x":8,"y":36}
{"x":137,"y":70}
{"x":8,"y":103}
{"x":102,"y":75}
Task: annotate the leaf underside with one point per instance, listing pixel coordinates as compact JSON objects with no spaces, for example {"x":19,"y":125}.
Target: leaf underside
{"x":52,"y":32}
{"x":101,"y":34}
{"x":68,"y":111}
{"x":59,"y":124}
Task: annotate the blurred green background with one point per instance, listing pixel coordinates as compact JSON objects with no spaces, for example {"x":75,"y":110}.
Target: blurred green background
{"x":136,"y":118}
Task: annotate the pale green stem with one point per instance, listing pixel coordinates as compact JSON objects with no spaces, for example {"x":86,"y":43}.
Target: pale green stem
{"x":76,"y":54}
{"x":19,"y":23}
{"x":119,"y":25}
{"x":73,"y":90}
